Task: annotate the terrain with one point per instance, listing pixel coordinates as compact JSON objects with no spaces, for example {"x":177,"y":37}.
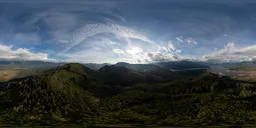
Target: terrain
{"x":19,"y":69}
{"x":127,"y":94}
{"x":7,"y":74}
{"x":240,"y":71}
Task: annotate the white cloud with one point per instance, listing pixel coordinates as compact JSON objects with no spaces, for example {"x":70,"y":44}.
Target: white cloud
{"x":134,"y":50}
{"x":231,"y":53}
{"x":114,"y":43}
{"x":179,"y":39}
{"x":178,"y":51}
{"x":118,"y":51}
{"x":159,"y":57}
{"x":7,"y":53}
{"x":188,"y":40}
{"x":92,"y":56}
{"x":171,"y":46}
{"x":93,"y":29}
{"x":191,"y":41}
{"x":250,"y":50}
{"x":121,"y":18}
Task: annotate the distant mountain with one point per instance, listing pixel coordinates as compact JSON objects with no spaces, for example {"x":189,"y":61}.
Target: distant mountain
{"x":137,"y":72}
{"x":28,"y":64}
{"x":122,"y":76}
{"x":137,"y":67}
{"x":149,"y":69}
{"x":181,"y":65}
{"x":95,"y":66}
{"x":175,"y":65}
{"x":42,"y":64}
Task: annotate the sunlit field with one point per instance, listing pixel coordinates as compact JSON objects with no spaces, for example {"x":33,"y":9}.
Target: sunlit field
{"x":7,"y":74}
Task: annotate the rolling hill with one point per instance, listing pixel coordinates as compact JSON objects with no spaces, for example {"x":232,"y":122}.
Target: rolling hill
{"x":74,"y":94}
{"x":182,"y":65}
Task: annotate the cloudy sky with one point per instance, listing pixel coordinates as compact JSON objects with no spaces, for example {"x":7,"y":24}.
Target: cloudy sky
{"x":135,"y":31}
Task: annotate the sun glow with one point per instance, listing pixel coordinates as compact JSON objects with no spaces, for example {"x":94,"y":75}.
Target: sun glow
{"x":134,"y":50}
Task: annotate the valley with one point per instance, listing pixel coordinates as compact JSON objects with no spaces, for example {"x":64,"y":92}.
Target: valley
{"x":245,"y":72}
{"x":6,"y":75}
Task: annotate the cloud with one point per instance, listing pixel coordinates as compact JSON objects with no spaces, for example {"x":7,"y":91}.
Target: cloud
{"x":7,"y":53}
{"x":179,"y":39}
{"x":92,"y":56}
{"x":114,"y":43}
{"x":134,"y":51}
{"x":118,"y":51}
{"x":191,"y":41}
{"x":160,"y":57}
{"x":231,"y":53}
{"x":250,"y":50}
{"x":188,"y":40}
{"x":31,"y":38}
{"x":98,"y":31}
{"x":93,"y":29}
{"x":178,"y":51}
{"x":171,"y":46}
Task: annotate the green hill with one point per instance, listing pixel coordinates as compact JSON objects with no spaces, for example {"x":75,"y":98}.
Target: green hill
{"x":74,"y":94}
{"x":50,"y":97}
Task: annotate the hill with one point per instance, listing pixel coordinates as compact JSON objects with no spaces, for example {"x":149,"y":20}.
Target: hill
{"x":95,"y":66}
{"x":182,"y":65}
{"x":28,"y":64}
{"x":137,"y":67}
{"x":74,"y":94}
{"x":122,"y":76}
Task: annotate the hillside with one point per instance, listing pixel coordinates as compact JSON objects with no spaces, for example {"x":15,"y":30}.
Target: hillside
{"x":137,"y":67}
{"x":28,"y":64}
{"x":182,"y":65}
{"x":74,"y":94}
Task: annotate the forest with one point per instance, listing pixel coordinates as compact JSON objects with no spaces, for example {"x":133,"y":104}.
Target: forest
{"x":73,"y":94}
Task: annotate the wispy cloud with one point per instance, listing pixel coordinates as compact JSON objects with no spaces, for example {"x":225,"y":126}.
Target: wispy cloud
{"x":191,"y":41}
{"x":118,"y":51}
{"x":98,"y":31}
{"x":187,"y":40}
{"x":93,"y":29}
{"x":29,"y":38}
{"x":180,"y":39}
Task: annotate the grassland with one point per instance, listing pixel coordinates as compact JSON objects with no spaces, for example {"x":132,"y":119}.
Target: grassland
{"x":247,"y":75}
{"x":7,"y":74}
{"x":242,"y":71}
{"x":245,"y":71}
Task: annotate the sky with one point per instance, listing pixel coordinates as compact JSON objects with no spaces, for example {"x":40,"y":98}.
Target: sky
{"x":134,"y":31}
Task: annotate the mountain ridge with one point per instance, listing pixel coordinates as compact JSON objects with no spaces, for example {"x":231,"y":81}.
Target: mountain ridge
{"x":73,"y":93}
